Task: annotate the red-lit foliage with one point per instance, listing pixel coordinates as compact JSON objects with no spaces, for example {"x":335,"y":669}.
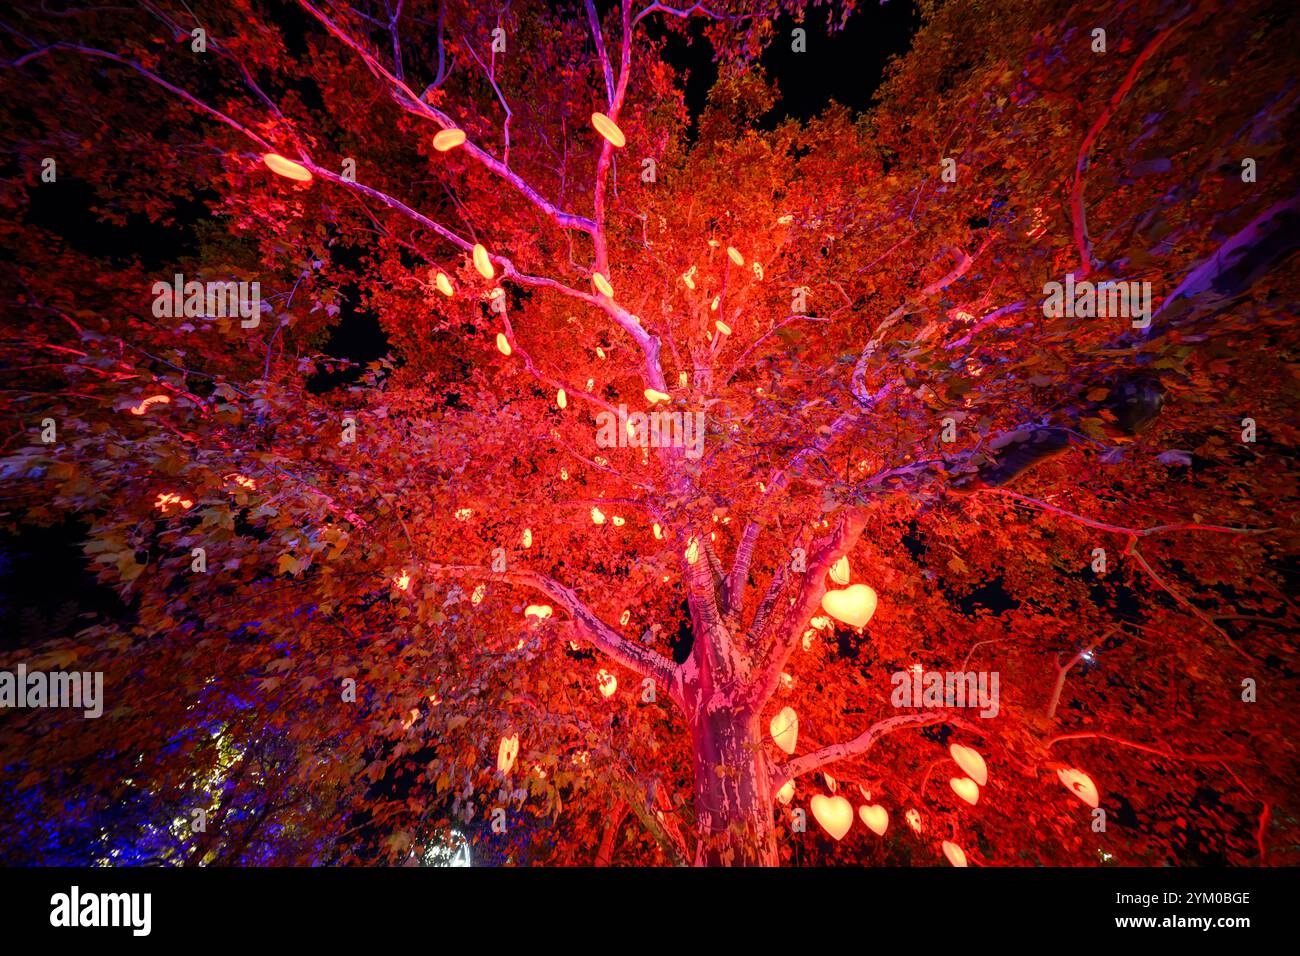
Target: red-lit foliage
{"x":864,"y":337}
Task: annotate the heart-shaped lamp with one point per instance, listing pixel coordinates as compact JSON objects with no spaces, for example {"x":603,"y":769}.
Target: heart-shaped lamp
{"x":835,"y":814}
{"x":840,"y":571}
{"x":785,"y":729}
{"x":854,"y":605}
{"x":507,"y":752}
{"x":875,"y":817}
{"x":966,"y":788}
{"x":1080,"y":784}
{"x":971,"y":762}
{"x":955,"y":854}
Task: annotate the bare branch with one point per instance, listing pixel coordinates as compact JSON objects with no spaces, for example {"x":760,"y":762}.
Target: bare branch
{"x":635,"y":656}
{"x":855,"y":747}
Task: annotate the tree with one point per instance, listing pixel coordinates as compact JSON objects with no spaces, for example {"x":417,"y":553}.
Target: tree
{"x":510,"y":526}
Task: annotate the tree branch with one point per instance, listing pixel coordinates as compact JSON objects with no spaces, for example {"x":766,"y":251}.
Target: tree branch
{"x":855,"y":747}
{"x":638,"y":658}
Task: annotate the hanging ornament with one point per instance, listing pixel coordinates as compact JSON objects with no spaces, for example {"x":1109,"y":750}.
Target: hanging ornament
{"x":149,"y":402}
{"x":835,"y":814}
{"x":840,"y":571}
{"x":503,"y":344}
{"x":955,"y":854}
{"x":971,"y":762}
{"x":734,"y":255}
{"x":785,"y":729}
{"x":448,"y":139}
{"x":539,"y":611}
{"x":722,"y":327}
{"x":693,"y":551}
{"x":1079,"y":784}
{"x":602,"y":285}
{"x":287,"y":168}
{"x":854,"y":605}
{"x":597,"y":516}
{"x":875,"y":817}
{"x":528,"y":537}
{"x":481,"y":261}
{"x":561,"y":399}
{"x":608,"y":683}
{"x":444,"y":285}
{"x":507,"y":751}
{"x":658,"y":531}
{"x":914,"y":820}
{"x":786,"y":793}
{"x":966,"y":788}
{"x":607,"y":128}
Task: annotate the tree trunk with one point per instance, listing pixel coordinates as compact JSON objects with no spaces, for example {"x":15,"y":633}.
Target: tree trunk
{"x":733,"y":798}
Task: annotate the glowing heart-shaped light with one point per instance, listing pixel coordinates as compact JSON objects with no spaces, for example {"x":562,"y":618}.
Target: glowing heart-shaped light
{"x":608,"y":683}
{"x":527,"y":538}
{"x":840,"y":571}
{"x":875,"y":817}
{"x":539,"y":611}
{"x":835,"y":814}
{"x":287,"y":168}
{"x":966,"y":788}
{"x":597,"y":516}
{"x":444,"y":285}
{"x":653,"y":395}
{"x":507,"y":752}
{"x":722,"y":327}
{"x":734,"y":255}
{"x":602,"y":285}
{"x":971,"y":762}
{"x":955,"y":854}
{"x":148,"y":402}
{"x":503,"y":344}
{"x":854,"y":605}
{"x":607,"y":128}
{"x":448,"y":139}
{"x":561,"y":399}
{"x":786,"y":793}
{"x":914,"y":820}
{"x":1080,"y":784}
{"x":482,"y":262}
{"x":785,"y":729}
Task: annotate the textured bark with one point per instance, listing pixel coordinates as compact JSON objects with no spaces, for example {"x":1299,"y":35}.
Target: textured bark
{"x":733,"y":797}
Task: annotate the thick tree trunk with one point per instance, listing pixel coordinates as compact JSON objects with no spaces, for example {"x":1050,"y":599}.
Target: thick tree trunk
{"x":733,"y":801}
